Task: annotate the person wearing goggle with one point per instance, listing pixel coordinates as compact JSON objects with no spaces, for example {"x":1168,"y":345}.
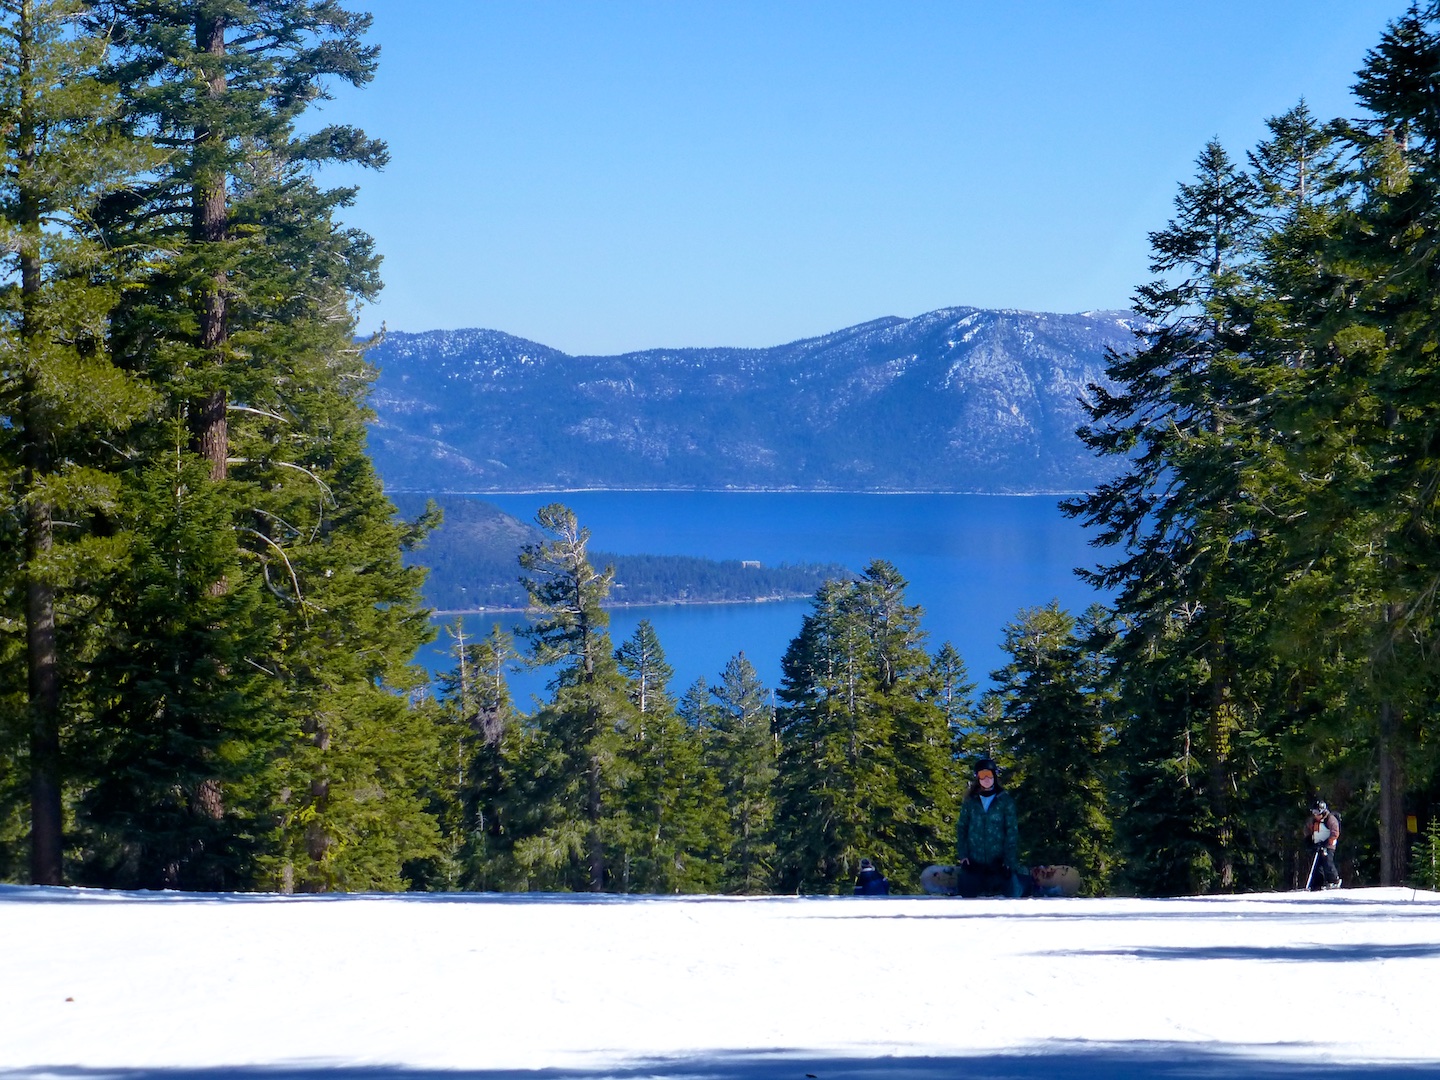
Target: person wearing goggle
{"x":987,"y":838}
{"x":1322,"y":832}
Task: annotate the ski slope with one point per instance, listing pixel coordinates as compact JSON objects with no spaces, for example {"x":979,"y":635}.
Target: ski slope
{"x":495,"y":987}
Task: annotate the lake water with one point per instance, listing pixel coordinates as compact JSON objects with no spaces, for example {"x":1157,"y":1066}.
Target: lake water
{"x":972,"y":561}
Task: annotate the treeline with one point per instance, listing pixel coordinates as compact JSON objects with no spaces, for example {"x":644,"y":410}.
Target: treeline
{"x":1275,"y":539}
{"x":1273,"y":551}
{"x":678,"y":579}
{"x":206,"y":630}
{"x":207,"y":627}
{"x":471,"y":559}
{"x":612,"y":784}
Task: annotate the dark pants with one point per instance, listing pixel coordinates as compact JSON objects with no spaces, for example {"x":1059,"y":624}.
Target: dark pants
{"x":981,"y":879}
{"x":1323,"y":871}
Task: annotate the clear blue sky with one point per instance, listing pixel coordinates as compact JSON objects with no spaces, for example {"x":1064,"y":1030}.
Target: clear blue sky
{"x":601,"y":177}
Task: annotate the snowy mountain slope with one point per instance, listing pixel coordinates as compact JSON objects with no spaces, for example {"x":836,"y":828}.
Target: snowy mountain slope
{"x":961,"y":399}
{"x":492,"y":986}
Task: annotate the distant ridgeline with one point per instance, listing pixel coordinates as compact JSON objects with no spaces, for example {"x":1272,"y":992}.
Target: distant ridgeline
{"x":474,"y":563}
{"x":961,"y":399}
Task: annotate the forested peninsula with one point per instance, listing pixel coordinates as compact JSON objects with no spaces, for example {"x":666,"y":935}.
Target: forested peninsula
{"x":472,"y":562}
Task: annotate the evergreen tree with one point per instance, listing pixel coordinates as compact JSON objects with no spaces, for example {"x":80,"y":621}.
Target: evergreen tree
{"x":954,"y":692}
{"x":1182,"y":513}
{"x":218,"y":86}
{"x":65,"y":404}
{"x":577,"y":761}
{"x":1054,"y":728}
{"x":865,"y":765}
{"x":926,"y":773}
{"x":673,"y":804}
{"x":833,"y":756}
{"x":1369,"y":412}
{"x":178,"y":655}
{"x":671,"y":798}
{"x":479,"y":731}
{"x":642,"y":660}
{"x":737,"y":719}
{"x":245,"y":322}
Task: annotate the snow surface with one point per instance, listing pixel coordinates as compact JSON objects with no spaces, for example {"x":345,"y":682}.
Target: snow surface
{"x":165,"y":986}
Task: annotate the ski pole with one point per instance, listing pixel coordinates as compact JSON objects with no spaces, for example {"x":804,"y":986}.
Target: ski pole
{"x":1311,"y":876}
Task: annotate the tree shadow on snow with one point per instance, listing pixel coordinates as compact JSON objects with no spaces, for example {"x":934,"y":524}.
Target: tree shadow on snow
{"x":1075,"y":1061}
{"x":1292,"y":953}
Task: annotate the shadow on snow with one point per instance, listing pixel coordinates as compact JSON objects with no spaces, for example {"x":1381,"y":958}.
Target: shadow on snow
{"x":1075,"y":1061}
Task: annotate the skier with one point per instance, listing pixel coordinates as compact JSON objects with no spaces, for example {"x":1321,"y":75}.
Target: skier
{"x":870,"y":882}
{"x":1322,"y":831}
{"x":987,"y":838}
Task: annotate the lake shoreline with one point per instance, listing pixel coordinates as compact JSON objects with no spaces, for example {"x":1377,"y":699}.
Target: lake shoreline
{"x":608,"y":606}
{"x":734,"y":491}
{"x":970,"y":565}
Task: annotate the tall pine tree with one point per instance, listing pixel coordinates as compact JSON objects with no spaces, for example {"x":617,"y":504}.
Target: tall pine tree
{"x":67,"y":407}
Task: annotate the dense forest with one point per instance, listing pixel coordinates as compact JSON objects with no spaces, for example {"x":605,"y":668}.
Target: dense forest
{"x":208,"y":616}
{"x":471,"y":559}
{"x":207,"y":629}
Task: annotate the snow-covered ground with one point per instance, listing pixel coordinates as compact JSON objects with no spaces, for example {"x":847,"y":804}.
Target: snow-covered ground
{"x":184,"y":987}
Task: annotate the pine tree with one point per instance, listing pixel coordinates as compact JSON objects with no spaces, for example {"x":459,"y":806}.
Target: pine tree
{"x":672,"y":803}
{"x":219,"y":87}
{"x":1347,"y":323}
{"x":575,"y":819}
{"x":954,"y":691}
{"x":1181,"y":511}
{"x":246,"y":323}
{"x":865,"y":764}
{"x":671,"y":796}
{"x":66,"y":405}
{"x":926,"y":773}
{"x":181,"y":713}
{"x":1391,"y":419}
{"x":642,"y":660}
{"x":1053,"y":721}
{"x":737,"y":717}
{"x":479,"y":730}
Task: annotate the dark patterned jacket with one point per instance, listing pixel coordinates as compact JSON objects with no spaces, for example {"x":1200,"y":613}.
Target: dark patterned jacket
{"x":988,"y":837}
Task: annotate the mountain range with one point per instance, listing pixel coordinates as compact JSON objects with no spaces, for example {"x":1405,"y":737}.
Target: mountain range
{"x":957,"y":400}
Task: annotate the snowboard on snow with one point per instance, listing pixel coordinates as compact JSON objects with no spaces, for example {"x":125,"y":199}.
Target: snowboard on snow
{"x":1042,"y":881}
{"x":1055,"y":880}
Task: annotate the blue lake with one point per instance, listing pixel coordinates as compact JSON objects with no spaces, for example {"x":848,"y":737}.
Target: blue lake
{"x":972,"y":561}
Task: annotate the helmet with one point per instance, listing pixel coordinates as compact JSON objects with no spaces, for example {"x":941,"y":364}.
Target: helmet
{"x":866,"y":864}
{"x":986,"y":763}
{"x":1318,"y":806}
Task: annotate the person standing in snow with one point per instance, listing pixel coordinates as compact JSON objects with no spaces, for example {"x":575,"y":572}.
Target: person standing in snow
{"x":1322,"y":832}
{"x":987,"y":837}
{"x":870,"y":882}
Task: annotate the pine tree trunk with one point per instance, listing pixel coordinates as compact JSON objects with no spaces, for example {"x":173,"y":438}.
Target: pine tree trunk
{"x":597,"y":848}
{"x":42,"y":660}
{"x":210,"y":436}
{"x":1219,"y":768}
{"x":208,"y":430}
{"x":317,"y":836}
{"x":1392,"y":806}
{"x":41,"y":654}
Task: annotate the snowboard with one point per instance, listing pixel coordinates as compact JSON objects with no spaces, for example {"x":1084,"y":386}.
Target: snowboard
{"x":1055,"y":880}
{"x":938,"y":880}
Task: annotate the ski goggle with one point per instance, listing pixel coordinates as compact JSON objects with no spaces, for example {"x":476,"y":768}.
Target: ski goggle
{"x":984,"y":774}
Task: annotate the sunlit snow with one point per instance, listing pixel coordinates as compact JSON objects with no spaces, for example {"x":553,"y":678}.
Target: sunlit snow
{"x":99,"y":985}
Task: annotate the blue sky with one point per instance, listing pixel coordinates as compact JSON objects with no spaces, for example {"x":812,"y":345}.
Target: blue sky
{"x":601,"y":177}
